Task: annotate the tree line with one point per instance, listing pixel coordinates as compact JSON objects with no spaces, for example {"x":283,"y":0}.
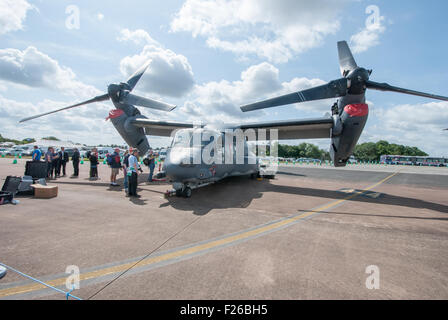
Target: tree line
{"x":368,"y":151}
{"x":371,"y":151}
{"x":24,"y":141}
{"x":303,"y":150}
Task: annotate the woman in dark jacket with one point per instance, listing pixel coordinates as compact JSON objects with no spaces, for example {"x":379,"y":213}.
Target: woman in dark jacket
{"x":94,"y":164}
{"x":75,"y":159}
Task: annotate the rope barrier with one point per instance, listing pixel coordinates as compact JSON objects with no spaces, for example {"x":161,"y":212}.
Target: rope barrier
{"x":67,"y":294}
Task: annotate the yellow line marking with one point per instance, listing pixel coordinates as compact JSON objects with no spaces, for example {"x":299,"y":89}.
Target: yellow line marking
{"x":187,"y":251}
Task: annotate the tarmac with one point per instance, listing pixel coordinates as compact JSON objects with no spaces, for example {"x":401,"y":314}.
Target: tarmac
{"x":313,"y":232}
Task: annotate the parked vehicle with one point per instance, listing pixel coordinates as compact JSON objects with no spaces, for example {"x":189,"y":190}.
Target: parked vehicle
{"x":414,"y":160}
{"x":352,"y":160}
{"x":14,"y":152}
{"x":103,"y":151}
{"x":308,"y":160}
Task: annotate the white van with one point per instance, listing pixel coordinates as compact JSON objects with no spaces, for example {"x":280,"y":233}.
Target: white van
{"x":102,"y":151}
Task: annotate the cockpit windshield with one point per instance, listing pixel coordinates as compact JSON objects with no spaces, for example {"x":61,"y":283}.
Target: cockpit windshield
{"x":182,"y":139}
{"x":186,"y":138}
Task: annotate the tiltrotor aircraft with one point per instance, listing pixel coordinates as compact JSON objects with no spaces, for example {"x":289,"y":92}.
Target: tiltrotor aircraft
{"x":343,"y":127}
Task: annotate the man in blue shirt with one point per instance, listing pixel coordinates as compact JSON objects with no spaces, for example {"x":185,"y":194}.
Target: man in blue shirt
{"x":36,"y":154}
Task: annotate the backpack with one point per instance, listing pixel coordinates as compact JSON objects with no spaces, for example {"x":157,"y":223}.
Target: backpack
{"x":109,"y":159}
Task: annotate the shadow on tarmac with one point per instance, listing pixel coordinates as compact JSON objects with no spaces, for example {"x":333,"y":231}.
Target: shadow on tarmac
{"x":239,"y":192}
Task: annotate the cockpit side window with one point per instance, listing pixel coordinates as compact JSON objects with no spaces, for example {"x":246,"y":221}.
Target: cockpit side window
{"x":182,"y":139}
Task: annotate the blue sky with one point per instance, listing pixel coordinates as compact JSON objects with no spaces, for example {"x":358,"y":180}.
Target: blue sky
{"x":208,"y":57}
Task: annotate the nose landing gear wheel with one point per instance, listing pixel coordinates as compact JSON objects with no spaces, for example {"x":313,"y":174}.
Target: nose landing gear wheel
{"x":187,"y":192}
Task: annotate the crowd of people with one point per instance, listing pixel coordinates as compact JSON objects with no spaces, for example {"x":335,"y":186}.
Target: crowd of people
{"x":57,"y":161}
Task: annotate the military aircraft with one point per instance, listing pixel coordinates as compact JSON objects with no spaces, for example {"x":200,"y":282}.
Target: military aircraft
{"x":343,"y":127}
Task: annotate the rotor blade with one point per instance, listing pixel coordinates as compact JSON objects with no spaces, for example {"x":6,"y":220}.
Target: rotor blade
{"x":146,"y":102}
{"x":96,"y":99}
{"x":346,"y":60}
{"x":132,"y":81}
{"x":388,"y":87}
{"x":333,"y":89}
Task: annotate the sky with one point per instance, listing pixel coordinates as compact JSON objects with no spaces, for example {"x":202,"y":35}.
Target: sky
{"x":210,"y":57}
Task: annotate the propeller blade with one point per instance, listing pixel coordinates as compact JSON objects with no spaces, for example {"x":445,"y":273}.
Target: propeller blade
{"x":146,"y":102}
{"x":333,"y":89}
{"x":346,"y":60}
{"x":96,"y":99}
{"x":388,"y":87}
{"x":132,"y":81}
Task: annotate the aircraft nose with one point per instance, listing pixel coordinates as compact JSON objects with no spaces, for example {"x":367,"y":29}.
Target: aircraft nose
{"x":174,"y":172}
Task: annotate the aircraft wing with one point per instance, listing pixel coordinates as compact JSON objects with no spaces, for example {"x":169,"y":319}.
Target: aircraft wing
{"x":161,"y":128}
{"x":287,"y":129}
{"x":296,"y":129}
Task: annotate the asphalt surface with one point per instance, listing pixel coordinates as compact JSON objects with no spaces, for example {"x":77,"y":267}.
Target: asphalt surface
{"x":437,"y":179}
{"x":311,"y":233}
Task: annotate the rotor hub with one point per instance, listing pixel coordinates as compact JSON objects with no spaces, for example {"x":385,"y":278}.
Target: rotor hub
{"x":357,"y":79}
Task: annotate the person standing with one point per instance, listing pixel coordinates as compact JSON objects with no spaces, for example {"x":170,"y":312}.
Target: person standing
{"x":132,"y":174}
{"x":63,"y":159}
{"x":75,"y":159}
{"x":55,"y":164}
{"x":151,"y":165}
{"x":49,"y":161}
{"x":125,"y":169}
{"x":115,"y":165}
{"x":94,"y":164}
{"x":37,"y":154}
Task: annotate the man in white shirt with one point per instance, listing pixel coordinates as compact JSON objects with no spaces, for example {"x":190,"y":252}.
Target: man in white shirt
{"x":132,"y":174}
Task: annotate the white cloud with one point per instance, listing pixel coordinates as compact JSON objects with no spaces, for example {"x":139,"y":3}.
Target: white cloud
{"x":33,"y":68}
{"x":168,"y":73}
{"x":219,"y":102}
{"x":139,"y":37}
{"x":419,"y":125}
{"x":12,"y":15}
{"x":84,"y":124}
{"x":370,"y":35}
{"x":273,"y":30}
{"x":100,"y":16}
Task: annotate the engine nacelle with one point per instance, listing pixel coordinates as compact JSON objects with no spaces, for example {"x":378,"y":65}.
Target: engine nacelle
{"x":134,"y":136}
{"x":353,"y":119}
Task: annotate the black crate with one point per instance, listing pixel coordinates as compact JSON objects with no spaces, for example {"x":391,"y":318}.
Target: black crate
{"x":12,"y":184}
{"x":36,"y":169}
